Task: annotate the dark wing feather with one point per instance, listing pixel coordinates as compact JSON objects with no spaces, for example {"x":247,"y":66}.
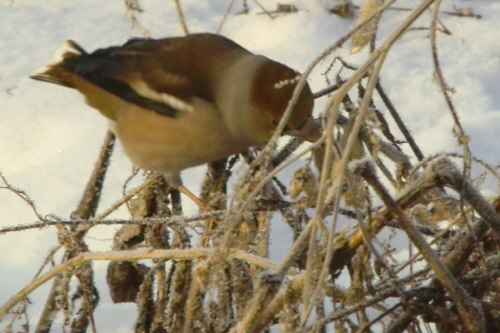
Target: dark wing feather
{"x":183,"y":67}
{"x":102,"y":69}
{"x":158,"y":75}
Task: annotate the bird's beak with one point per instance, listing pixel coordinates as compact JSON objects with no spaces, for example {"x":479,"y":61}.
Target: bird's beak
{"x":311,"y":131}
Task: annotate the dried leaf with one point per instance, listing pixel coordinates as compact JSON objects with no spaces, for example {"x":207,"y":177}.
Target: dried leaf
{"x":363,"y":36}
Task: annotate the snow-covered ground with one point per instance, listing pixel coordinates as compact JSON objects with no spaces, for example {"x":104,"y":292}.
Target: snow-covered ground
{"x":49,"y":139}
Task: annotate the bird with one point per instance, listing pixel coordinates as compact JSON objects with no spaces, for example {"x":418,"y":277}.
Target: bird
{"x":180,"y":102}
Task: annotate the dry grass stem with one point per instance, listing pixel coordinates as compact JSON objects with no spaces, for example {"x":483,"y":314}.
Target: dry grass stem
{"x":369,"y":238}
{"x":182,"y":21}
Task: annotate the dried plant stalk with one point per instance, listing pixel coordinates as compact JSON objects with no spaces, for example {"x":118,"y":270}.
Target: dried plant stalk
{"x":363,"y":36}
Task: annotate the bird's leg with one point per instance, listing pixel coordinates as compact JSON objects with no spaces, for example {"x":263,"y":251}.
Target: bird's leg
{"x":174,"y":180}
{"x":201,"y":205}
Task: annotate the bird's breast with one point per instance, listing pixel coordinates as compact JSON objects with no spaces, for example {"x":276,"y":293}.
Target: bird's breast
{"x":158,"y":143}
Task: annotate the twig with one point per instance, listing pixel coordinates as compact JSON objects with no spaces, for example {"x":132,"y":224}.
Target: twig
{"x":181,"y":17}
{"x":298,"y":88}
{"x":91,"y":195}
{"x":399,"y":122}
{"x":264,"y":9}
{"x":23,"y":195}
{"x":187,"y":254}
{"x":377,"y":58}
{"x":469,"y":308}
{"x":298,"y":245}
{"x":461,"y":13}
{"x":132,"y":7}
{"x":225,"y":16}
{"x":127,"y":197}
{"x":454,"y":260}
{"x":327,"y":90}
{"x":450,"y":175}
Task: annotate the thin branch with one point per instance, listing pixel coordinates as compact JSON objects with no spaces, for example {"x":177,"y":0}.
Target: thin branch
{"x":182,"y":21}
{"x":399,"y":122}
{"x":225,"y":16}
{"x":186,"y":254}
{"x":264,"y":9}
{"x":469,"y":308}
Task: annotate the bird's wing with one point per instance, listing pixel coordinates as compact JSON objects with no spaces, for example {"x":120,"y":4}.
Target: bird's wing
{"x":158,"y":75}
{"x":136,"y":73}
{"x":168,"y":71}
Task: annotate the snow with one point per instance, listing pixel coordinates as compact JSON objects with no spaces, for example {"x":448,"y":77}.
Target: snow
{"x":49,"y":139}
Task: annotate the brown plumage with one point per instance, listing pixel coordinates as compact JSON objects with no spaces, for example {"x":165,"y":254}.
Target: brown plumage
{"x":180,"y":102}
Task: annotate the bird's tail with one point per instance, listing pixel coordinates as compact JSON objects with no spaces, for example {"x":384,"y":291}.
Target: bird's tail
{"x":56,"y":72}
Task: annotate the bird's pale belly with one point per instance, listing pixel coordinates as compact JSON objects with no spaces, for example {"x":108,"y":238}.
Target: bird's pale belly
{"x":158,"y":143}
